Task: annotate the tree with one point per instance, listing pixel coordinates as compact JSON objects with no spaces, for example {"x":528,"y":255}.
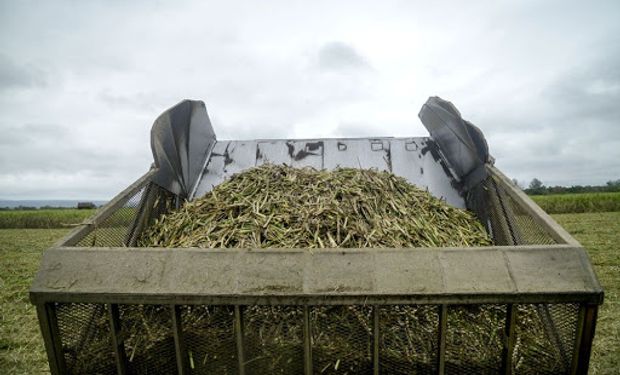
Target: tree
{"x":615,"y":183}
{"x":536,"y":184}
{"x":536,"y":187}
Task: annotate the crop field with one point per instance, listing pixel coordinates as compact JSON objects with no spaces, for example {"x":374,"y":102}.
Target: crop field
{"x":599,"y":233}
{"x":578,"y":203}
{"x":52,"y":218}
{"x":21,"y":345}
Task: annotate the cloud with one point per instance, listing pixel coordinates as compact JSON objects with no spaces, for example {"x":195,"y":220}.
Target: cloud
{"x":339,"y":56}
{"x":358,"y":130}
{"x":589,"y":95}
{"x":570,"y":132}
{"x":82,"y":82}
{"x":13,"y":75}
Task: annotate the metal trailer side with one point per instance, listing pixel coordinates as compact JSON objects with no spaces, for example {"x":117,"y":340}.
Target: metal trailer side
{"x":89,"y":282}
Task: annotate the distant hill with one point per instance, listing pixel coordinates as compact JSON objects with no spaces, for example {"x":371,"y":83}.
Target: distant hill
{"x":42,"y":203}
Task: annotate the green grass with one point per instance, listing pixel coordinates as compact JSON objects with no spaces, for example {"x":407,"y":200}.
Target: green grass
{"x":599,"y":233}
{"x":21,"y":346}
{"x":56,"y":218}
{"x":578,"y":203}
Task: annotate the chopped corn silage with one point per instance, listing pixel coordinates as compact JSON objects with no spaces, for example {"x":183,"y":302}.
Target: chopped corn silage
{"x":276,"y":206}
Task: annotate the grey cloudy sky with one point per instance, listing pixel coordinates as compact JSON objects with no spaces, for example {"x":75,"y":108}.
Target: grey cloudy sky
{"x":82,"y":81}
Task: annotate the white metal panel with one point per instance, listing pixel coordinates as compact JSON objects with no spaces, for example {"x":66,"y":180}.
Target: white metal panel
{"x":357,"y":153}
{"x":416,"y":159}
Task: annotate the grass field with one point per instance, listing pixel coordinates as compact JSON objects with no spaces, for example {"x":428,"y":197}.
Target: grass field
{"x":578,"y":203}
{"x":21,"y":347}
{"x":55,"y":218}
{"x":599,"y":233}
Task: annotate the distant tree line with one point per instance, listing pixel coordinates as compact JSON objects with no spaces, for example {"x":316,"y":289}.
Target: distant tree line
{"x":32,"y":208}
{"x":536,"y":187}
{"x":19,"y":208}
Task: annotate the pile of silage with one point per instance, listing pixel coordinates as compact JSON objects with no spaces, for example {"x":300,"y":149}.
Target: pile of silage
{"x":276,"y":206}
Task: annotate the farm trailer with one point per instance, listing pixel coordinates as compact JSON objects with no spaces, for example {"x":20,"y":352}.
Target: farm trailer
{"x":527,"y":304}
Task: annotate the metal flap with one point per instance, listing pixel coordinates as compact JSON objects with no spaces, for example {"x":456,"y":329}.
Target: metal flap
{"x":181,"y":139}
{"x":462,"y":143}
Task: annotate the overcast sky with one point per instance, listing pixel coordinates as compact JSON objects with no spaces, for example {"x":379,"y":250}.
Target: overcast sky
{"x":82,"y":81}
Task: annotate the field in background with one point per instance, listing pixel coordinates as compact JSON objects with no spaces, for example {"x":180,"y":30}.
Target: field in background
{"x":21,"y":345}
{"x":52,"y":218}
{"x":578,"y":203}
{"x":599,"y":233}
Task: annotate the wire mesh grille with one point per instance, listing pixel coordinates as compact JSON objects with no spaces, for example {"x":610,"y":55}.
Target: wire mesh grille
{"x":545,"y":338}
{"x":209,"y":336}
{"x":147,"y":333}
{"x":507,"y":220}
{"x":85,"y":337}
{"x":474,"y":339}
{"x":113,"y":230}
{"x":530,"y":232}
{"x":342,"y":339}
{"x":273,"y":339}
{"x":124,"y":226}
{"x":408,"y":339}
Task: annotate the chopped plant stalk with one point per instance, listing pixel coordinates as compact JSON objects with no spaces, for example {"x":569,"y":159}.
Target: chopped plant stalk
{"x":276,"y":206}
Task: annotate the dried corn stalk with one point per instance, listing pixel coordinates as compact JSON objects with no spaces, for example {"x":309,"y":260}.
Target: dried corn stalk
{"x":276,"y":206}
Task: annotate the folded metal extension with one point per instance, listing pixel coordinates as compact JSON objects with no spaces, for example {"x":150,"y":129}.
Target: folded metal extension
{"x":181,"y":139}
{"x":462,"y":143}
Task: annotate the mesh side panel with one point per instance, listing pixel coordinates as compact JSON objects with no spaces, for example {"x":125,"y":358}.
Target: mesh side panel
{"x":149,"y":344}
{"x":85,"y":335}
{"x":209,"y":335}
{"x":273,"y":339}
{"x":564,"y":317}
{"x":342,"y":339}
{"x":530,"y":233}
{"x":409,"y":339}
{"x":499,"y":227}
{"x":545,"y":338}
{"x":510,"y":223}
{"x":474,"y":339}
{"x":124,"y":226}
{"x":113,"y":230}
